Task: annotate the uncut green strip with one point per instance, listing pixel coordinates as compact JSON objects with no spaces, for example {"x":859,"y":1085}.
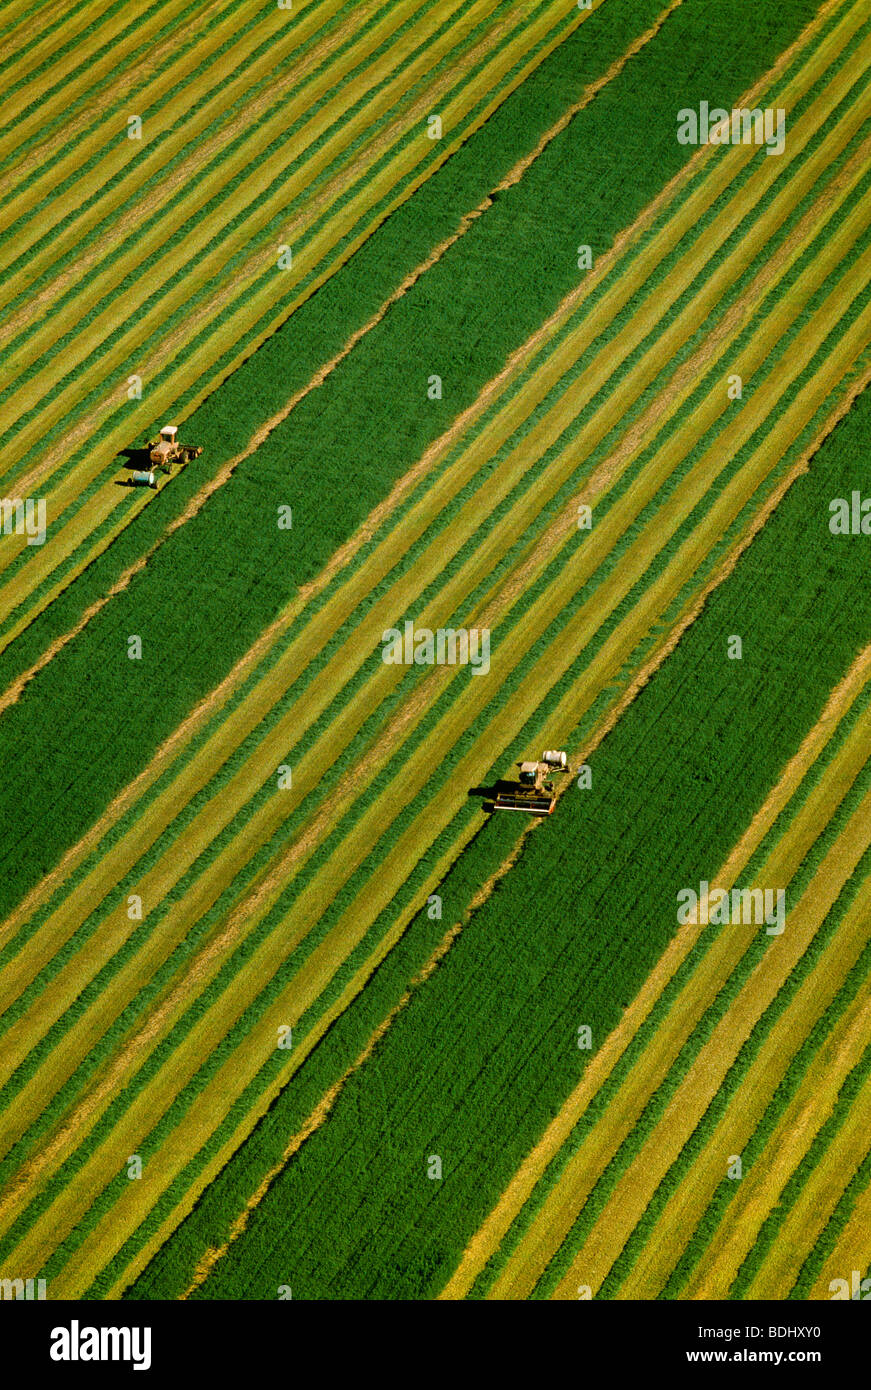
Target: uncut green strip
{"x":336,"y":462}
{"x":508,"y":945}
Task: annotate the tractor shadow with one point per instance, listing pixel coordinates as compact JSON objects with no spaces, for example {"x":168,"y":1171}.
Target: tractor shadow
{"x":135,"y":460}
{"x":489,"y":794}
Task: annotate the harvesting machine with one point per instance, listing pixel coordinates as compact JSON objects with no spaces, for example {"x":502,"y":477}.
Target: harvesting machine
{"x":162,"y":452}
{"x":534,"y":791}
{"x":166,"y":451}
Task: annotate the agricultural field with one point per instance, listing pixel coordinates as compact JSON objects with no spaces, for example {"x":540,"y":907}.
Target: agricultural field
{"x":522,"y":353}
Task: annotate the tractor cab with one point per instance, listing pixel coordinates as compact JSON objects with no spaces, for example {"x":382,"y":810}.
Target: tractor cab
{"x":534,"y":791}
{"x":164,"y":450}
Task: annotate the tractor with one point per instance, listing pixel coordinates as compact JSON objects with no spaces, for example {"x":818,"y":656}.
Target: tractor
{"x":165,"y":451}
{"x":534,"y":790}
